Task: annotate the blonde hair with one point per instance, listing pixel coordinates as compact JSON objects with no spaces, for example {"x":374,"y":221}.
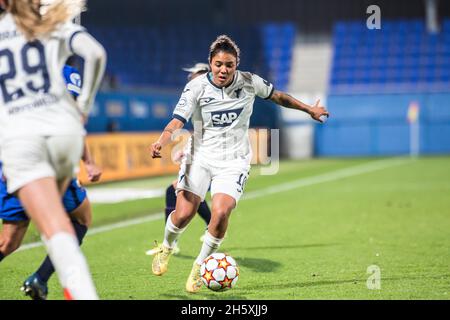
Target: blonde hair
{"x":35,"y":21}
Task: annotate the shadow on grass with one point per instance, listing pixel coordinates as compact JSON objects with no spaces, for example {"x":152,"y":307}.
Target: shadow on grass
{"x":356,"y":281}
{"x":257,"y":264}
{"x":418,"y":277}
{"x":284,"y":247}
{"x":291,"y":285}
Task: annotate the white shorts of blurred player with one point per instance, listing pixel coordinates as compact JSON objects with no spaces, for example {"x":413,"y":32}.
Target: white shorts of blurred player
{"x":197,"y":178}
{"x":27,"y":159}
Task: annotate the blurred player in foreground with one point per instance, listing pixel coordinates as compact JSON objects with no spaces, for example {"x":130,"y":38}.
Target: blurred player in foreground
{"x":15,"y":221}
{"x":171,"y":198}
{"x":42,"y":132}
{"x":75,"y":201}
{"x":218,"y":154}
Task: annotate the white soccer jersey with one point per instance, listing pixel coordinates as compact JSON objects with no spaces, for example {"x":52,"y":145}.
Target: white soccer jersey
{"x":33,"y":95}
{"x":221,"y":116}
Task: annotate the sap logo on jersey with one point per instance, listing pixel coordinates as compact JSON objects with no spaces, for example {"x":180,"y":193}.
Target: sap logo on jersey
{"x":225,"y":118}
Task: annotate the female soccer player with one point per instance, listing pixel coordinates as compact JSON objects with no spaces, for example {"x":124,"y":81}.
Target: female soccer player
{"x":218,"y":154}
{"x":75,"y":201}
{"x":42,"y":133}
{"x":171,"y":198}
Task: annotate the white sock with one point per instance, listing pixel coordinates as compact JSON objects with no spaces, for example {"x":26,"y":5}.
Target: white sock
{"x":210,"y":245}
{"x":171,"y":232}
{"x":71,"y":267}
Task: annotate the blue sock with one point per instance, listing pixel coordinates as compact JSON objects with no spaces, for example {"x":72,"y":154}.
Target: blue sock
{"x":1,"y":256}
{"x":204,"y":212}
{"x":168,"y":211}
{"x":46,"y":269}
{"x":171,"y":200}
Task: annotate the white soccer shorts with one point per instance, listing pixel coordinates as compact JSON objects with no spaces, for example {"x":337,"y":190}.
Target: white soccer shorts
{"x":27,"y":159}
{"x":197,"y":178}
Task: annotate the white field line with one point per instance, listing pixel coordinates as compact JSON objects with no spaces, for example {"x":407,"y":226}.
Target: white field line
{"x":109,"y":227}
{"x":115,"y":195}
{"x":326,"y":177}
{"x":303,"y":182}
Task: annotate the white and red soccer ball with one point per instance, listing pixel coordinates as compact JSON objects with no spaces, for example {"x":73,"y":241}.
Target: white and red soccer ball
{"x":219,"y":272}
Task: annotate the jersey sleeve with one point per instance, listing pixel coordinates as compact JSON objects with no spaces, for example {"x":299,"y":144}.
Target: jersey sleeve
{"x":187,"y":103}
{"x":263,"y":88}
{"x":67,"y":32}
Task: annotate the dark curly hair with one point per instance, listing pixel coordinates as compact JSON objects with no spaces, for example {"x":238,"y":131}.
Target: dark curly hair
{"x":226,"y":44}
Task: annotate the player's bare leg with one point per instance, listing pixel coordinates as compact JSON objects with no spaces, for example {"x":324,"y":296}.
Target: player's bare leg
{"x":12,"y":235}
{"x":170,"y":202}
{"x":187,"y":205}
{"x":222,"y":205}
{"x":35,"y":286}
{"x":59,"y":237}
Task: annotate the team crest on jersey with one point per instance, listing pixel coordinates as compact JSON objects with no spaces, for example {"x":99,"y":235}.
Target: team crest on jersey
{"x":182,"y":103}
{"x":207,"y":100}
{"x":225,"y":118}
{"x":238,"y":92}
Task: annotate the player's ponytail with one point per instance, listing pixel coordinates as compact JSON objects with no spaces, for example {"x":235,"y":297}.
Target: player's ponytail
{"x":35,"y":18}
{"x":225,"y":44}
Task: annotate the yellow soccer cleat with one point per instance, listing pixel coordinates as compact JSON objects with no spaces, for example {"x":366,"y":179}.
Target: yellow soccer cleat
{"x":194,"y":282}
{"x":155,"y":250}
{"x":161,"y":259}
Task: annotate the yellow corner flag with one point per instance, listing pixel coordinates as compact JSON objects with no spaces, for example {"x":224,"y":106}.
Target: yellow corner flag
{"x":413,"y":112}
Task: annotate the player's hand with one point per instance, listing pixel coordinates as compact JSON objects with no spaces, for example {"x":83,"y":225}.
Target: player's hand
{"x":94,"y":173}
{"x":318,"y":111}
{"x":155,"y":150}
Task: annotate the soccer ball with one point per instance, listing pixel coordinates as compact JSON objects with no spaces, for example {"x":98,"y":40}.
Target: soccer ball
{"x":219,"y":272}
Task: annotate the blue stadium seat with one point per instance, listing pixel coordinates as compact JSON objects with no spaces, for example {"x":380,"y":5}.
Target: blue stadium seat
{"x":155,"y":56}
{"x":403,"y":53}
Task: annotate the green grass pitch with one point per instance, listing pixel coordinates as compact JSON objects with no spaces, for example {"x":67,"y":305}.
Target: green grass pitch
{"x":312,"y":231}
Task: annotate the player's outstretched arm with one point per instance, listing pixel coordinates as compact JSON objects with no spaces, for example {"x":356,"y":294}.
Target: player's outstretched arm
{"x":165,"y":137}
{"x":94,"y":56}
{"x":285,"y":100}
